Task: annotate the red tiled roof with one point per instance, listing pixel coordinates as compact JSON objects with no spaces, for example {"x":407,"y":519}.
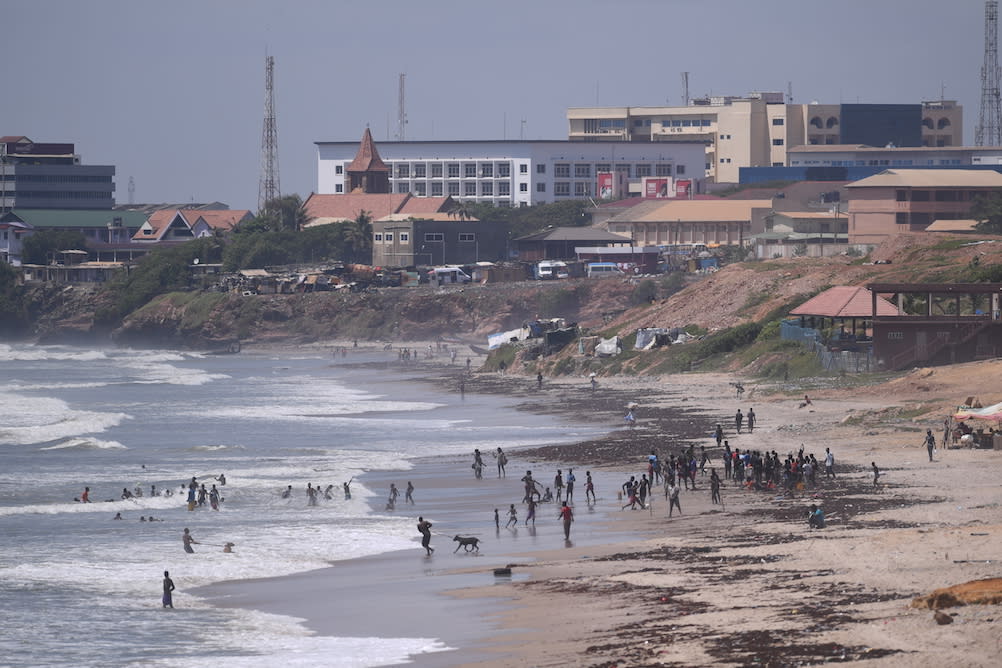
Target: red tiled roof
{"x":845,"y":301}
{"x":367,"y":159}
{"x":218,"y":220}
{"x":347,"y":207}
{"x":425,"y":205}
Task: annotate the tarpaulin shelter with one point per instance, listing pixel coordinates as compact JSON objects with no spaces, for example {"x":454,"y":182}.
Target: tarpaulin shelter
{"x":988,"y":413}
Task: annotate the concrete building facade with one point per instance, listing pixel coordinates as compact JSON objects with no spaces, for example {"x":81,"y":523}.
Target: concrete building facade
{"x":758,"y":130}
{"x":910,"y":200}
{"x":50,"y":176}
{"x":402,"y":240}
{"x":510,"y":172}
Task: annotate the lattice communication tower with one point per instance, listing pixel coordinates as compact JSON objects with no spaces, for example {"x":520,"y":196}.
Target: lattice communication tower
{"x":989,"y":130}
{"x":269,"y":189}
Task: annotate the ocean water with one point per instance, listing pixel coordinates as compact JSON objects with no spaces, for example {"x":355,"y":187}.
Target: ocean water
{"x":79,"y":588}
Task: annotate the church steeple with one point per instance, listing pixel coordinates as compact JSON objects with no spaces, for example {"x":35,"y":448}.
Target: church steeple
{"x":368,"y":173}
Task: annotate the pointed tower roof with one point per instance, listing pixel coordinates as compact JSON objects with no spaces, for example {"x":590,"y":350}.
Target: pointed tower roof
{"x":367,"y":159}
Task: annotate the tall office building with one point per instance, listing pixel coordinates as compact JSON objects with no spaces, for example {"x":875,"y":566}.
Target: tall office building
{"x":50,"y":176}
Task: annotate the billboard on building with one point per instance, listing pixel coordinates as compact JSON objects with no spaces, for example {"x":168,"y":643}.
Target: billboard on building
{"x":683,"y":187}
{"x":656,"y":188}
{"x":606,"y":185}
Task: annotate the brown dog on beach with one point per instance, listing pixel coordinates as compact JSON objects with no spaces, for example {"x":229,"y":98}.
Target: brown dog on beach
{"x":467,"y":542}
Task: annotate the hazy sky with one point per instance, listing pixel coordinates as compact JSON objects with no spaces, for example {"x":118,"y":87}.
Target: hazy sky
{"x":172,"y":92}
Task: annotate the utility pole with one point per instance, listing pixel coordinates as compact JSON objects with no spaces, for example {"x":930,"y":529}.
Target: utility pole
{"x":401,"y":111}
{"x":269,"y":189}
{"x":989,"y":130}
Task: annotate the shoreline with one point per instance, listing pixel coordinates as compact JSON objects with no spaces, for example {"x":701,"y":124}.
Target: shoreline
{"x":666,"y":592}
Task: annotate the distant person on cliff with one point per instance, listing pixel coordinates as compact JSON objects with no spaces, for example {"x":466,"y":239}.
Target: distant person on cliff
{"x":714,"y":487}
{"x":539,"y":381}
{"x":829,"y":464}
{"x":751,"y":420}
{"x":738,"y":420}
{"x":930,"y":442}
{"x":718,"y":434}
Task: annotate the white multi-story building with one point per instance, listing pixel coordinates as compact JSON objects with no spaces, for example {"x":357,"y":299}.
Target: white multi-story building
{"x":514,"y":172}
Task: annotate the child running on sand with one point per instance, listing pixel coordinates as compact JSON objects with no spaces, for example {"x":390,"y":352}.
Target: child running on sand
{"x":512,"y":516}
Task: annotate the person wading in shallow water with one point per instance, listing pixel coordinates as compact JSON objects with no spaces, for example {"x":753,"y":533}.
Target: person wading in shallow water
{"x":168,"y":600}
{"x":567,"y":515}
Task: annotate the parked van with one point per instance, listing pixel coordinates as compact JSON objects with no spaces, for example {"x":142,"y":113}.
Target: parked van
{"x":599,"y":269}
{"x":551,"y":269}
{"x":447,"y":275}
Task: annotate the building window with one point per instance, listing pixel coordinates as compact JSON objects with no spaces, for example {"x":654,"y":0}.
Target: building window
{"x":662,"y":169}
{"x":436,"y":189}
{"x":920,"y":195}
{"x":419,"y":189}
{"x":562,"y":189}
{"x":436,"y":170}
{"x":504,"y":170}
{"x":562,"y":171}
{"x":405,"y":237}
{"x":467,"y":236}
{"x":388,"y":236}
{"x":680,"y":169}
{"x":403,"y":170}
{"x":470,"y":170}
{"x":540,"y":187}
{"x":434,"y":236}
{"x":504,"y":188}
{"x":603,"y":167}
{"x":778,"y":121}
{"x":454,"y":188}
{"x":524,"y":187}
{"x":623,"y":169}
{"x":419,"y":171}
{"x":901,"y":218}
{"x":487,"y":171}
{"x":453,"y":170}
{"x":470,"y":189}
{"x":339,"y":169}
{"x":778,"y":142}
{"x":643,"y":170}
{"x":339,"y":188}
{"x":487,"y":189}
{"x":582,"y":188}
{"x":403,"y":188}
{"x":541,"y":169}
{"x":582,"y":171}
{"x":523,"y":168}
{"x":377,"y":236}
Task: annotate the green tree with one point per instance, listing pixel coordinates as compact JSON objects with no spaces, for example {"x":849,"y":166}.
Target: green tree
{"x":357,"y":235}
{"x":987,"y":209}
{"x":282,"y":213}
{"x":39,"y":247}
{"x":463,"y":210}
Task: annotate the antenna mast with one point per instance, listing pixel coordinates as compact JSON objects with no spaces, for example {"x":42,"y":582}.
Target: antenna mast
{"x":268,"y":188}
{"x":989,"y":130}
{"x":685,"y":89}
{"x":401,"y":112}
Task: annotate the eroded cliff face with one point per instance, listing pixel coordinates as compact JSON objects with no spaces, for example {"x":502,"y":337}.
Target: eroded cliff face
{"x":211,"y":320}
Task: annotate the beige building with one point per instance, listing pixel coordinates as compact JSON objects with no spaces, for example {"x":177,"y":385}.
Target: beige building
{"x":757,"y":130}
{"x":722,"y":222}
{"x":910,"y":200}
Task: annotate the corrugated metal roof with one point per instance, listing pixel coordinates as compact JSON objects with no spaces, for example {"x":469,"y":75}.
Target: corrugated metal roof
{"x":70,"y":218}
{"x":692,"y":211}
{"x":931,"y":178}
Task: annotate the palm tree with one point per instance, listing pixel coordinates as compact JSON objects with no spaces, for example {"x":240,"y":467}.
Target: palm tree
{"x":358,"y":235}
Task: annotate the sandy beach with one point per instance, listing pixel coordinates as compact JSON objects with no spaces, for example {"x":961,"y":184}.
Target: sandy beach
{"x":746,"y":583}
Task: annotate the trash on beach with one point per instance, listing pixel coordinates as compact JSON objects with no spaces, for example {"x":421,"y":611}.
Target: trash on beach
{"x":502,"y":572}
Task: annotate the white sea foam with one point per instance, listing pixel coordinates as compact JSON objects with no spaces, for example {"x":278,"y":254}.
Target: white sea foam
{"x":216,"y":448}
{"x":148,"y":372}
{"x":86,"y":444}
{"x":46,"y":419}
{"x":56,"y":353}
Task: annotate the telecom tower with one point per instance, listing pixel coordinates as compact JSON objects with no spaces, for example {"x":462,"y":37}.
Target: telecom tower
{"x":268,"y":188}
{"x":401,"y":112}
{"x":989,"y":130}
